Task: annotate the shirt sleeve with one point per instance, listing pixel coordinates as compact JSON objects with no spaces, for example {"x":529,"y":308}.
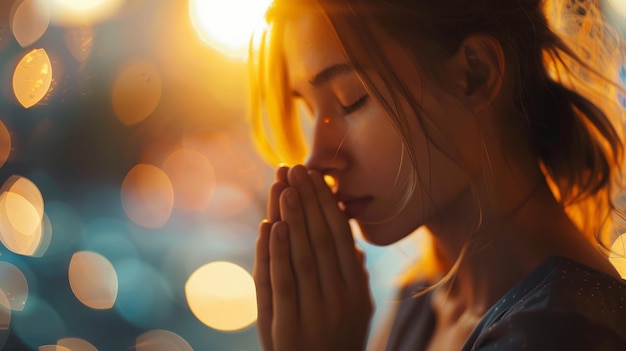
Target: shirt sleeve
{"x":541,"y":331}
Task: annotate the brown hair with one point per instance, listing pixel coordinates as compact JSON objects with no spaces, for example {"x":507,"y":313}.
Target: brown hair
{"x":561,"y":52}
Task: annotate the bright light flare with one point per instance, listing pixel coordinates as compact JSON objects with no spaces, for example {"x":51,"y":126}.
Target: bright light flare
{"x":32,"y":78}
{"x":227,"y":26}
{"x":222,"y":295}
{"x":162,"y":340}
{"x":78,"y":12}
{"x":93,"y":280}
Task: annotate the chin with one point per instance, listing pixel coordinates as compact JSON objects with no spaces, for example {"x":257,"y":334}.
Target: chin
{"x":383,"y":234}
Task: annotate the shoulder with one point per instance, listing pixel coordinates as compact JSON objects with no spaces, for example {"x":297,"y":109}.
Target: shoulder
{"x":413,"y":319}
{"x":568,"y":306}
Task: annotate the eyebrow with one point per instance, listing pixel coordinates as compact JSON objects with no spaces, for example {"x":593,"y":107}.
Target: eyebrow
{"x":329,"y":73}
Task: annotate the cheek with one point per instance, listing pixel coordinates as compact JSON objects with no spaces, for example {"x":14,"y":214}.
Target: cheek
{"x":377,"y":142}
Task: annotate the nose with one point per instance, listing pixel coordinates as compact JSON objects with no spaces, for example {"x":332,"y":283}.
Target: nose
{"x":330,"y":150}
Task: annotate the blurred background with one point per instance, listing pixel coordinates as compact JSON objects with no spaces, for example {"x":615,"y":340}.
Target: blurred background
{"x":130,"y":189}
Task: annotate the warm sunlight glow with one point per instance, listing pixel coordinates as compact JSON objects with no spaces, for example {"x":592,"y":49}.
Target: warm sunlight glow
{"x":29,"y":22}
{"x":161,"y":340}
{"x":147,"y":196}
{"x":21,"y":216}
{"x":32,"y":78}
{"x":5,"y":144}
{"x":136,"y":92}
{"x":619,"y":6}
{"x":78,"y":12}
{"x":93,"y":280}
{"x":76,"y":344}
{"x":193,"y":179}
{"x":227,"y":25}
{"x":222,"y":296}
{"x":618,"y":255}
{"x":14,"y":286}
{"x":331,"y":182}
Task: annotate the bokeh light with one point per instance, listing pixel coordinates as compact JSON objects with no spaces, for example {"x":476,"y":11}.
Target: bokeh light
{"x":54,"y":348}
{"x":617,"y":255}
{"x":93,"y":280}
{"x":161,"y":340}
{"x":5,"y":144}
{"x":32,"y":77}
{"x":147,"y":196}
{"x":21,"y":215}
{"x":43,"y":238}
{"x":29,"y":22}
{"x":227,"y":26}
{"x":136,"y":92}
{"x":229,"y":200}
{"x":78,"y":12}
{"x":14,"y":286}
{"x":222,"y":296}
{"x":76,"y":344}
{"x":193,"y":179}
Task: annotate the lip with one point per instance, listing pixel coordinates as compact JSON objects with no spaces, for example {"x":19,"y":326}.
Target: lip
{"x":353,"y":207}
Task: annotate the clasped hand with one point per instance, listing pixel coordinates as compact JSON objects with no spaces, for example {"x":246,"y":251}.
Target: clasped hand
{"x":312,"y":286}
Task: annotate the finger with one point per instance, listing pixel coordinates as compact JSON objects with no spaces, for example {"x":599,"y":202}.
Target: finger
{"x":302,"y":257}
{"x":285,"y":298}
{"x":263,"y":285}
{"x":349,"y":261}
{"x":273,"y":209}
{"x":281,"y":173}
{"x":280,"y":183}
{"x":319,"y":233}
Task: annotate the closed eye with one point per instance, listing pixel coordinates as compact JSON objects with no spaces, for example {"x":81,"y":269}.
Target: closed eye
{"x":355,"y":106}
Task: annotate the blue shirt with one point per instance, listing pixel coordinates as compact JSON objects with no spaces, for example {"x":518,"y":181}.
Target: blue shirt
{"x":561,"y":305}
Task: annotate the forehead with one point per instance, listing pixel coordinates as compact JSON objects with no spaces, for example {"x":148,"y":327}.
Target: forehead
{"x":310,"y":45}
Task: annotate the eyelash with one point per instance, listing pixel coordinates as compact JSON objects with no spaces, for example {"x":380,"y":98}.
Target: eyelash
{"x":355,"y":106}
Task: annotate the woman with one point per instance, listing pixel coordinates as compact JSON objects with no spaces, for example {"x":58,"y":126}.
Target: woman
{"x":473,"y":119}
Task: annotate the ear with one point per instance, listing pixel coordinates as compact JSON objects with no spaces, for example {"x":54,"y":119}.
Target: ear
{"x":477,"y":69}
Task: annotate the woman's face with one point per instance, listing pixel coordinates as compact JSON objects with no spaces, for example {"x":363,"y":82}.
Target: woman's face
{"x":356,"y":143}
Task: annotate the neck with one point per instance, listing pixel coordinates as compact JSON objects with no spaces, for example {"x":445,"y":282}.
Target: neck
{"x":503,"y":247}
